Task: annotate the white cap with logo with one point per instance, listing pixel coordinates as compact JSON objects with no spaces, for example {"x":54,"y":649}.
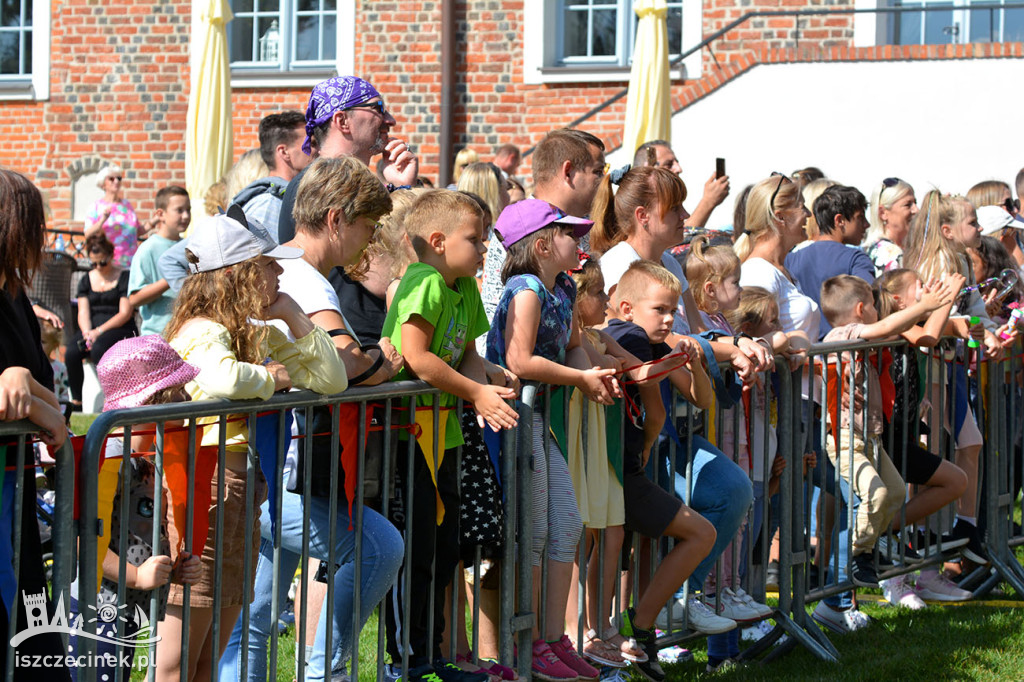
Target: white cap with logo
{"x":228,"y":239}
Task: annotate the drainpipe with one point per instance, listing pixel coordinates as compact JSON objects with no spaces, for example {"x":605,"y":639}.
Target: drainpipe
{"x":446,"y":142}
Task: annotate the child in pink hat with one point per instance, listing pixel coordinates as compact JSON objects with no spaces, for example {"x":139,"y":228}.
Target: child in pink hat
{"x":142,"y":370}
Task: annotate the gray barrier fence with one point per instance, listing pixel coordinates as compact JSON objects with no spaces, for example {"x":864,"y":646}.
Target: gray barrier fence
{"x":787,"y":415}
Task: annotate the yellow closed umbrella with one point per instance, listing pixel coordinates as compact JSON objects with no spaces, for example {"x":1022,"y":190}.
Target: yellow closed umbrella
{"x":208,"y":131}
{"x":648,"y":110}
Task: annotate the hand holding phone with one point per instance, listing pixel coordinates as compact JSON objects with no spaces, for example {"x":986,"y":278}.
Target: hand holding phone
{"x":719,"y":167}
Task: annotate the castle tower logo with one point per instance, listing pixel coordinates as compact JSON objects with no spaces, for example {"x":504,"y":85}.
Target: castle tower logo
{"x":106,"y":617}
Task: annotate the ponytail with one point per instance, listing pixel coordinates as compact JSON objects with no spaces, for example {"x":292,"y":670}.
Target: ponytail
{"x":605,"y":233}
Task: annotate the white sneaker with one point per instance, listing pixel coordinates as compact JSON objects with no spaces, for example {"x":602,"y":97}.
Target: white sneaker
{"x":700,"y":618}
{"x":730,"y":606}
{"x":674,"y":609}
{"x":840,"y":622}
{"x":937,"y":587}
{"x":897,"y":592}
{"x":763,"y":609}
{"x":757,"y":631}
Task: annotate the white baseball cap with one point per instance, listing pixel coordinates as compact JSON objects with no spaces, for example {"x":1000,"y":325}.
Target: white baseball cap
{"x":228,"y":239}
{"x":994,"y":219}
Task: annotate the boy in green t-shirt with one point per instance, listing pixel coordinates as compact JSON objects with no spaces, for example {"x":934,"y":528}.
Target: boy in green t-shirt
{"x":147,"y":289}
{"x":433,"y":321}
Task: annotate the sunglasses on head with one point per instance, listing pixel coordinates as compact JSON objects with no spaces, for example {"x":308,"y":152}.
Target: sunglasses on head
{"x":1011,"y":206}
{"x":887,"y":184}
{"x":782,"y":178}
{"x":377,"y":106}
{"x":99,"y":263}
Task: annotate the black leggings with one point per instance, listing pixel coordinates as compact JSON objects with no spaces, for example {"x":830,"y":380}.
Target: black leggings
{"x":74,"y":356}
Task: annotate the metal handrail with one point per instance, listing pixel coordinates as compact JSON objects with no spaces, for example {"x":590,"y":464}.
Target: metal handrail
{"x":991,"y":6}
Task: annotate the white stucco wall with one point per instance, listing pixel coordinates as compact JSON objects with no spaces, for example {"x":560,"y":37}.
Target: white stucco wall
{"x":947,"y":124}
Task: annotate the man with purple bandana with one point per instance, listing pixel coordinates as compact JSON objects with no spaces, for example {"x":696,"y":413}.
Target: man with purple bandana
{"x":346,"y":115}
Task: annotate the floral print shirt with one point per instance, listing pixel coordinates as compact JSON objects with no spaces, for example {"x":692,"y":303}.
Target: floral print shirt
{"x":555,"y":317}
{"x":885,"y":255}
{"x":121,"y":228}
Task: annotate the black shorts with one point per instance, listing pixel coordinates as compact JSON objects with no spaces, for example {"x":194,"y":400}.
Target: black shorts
{"x":921,"y":464}
{"x":649,"y":507}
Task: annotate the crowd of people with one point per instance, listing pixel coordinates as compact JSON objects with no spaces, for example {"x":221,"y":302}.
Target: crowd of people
{"x":323,"y":274}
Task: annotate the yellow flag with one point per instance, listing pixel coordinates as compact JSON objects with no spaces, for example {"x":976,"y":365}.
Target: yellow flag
{"x":425,"y":420}
{"x":110,"y":469}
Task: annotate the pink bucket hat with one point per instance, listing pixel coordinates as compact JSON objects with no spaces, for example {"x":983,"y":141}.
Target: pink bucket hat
{"x":135,"y":369}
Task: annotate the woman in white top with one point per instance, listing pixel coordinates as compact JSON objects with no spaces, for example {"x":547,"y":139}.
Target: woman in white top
{"x":776,"y":216}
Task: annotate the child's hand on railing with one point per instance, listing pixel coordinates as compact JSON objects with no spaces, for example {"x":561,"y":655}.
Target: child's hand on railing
{"x":491,"y":408}
{"x":595,"y":385}
{"x":810,"y":461}
{"x":282,"y":382}
{"x":187,"y":570}
{"x":153,"y":573}
{"x":499,"y":376}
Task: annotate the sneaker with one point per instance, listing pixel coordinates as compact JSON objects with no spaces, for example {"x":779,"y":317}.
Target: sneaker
{"x":937,"y":587}
{"x":972,"y":549}
{"x":763,"y":609}
{"x":720,"y":666}
{"x":663,"y":621}
{"x":610,"y":674}
{"x":840,"y":622}
{"x":421,"y":673}
{"x":673,"y":654}
{"x":771,"y":576}
{"x":449,"y":672}
{"x":730,"y":607}
{"x":701,"y":619}
{"x":566,"y":652}
{"x":930,"y":545}
{"x":547,"y":666}
{"x":392,"y":673}
{"x":648,"y":641}
{"x":862,"y":571}
{"x":889,"y":547}
{"x":756,"y":631}
{"x":897,"y":592}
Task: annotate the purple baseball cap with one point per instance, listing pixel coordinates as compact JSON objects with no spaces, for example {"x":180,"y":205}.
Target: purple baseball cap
{"x":523,"y":218}
{"x":331,"y":96}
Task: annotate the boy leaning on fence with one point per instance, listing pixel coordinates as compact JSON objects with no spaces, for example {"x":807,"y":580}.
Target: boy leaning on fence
{"x":148,"y":291}
{"x":848,"y":304}
{"x":434,"y":319}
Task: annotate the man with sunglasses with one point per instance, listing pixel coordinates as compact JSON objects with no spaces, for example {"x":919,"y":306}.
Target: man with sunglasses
{"x":347,"y":116}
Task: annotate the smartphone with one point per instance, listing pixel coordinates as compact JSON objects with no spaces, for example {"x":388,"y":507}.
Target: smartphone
{"x":719,"y":167}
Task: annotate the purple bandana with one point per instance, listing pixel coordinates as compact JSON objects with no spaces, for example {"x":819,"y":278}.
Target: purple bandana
{"x":331,"y":96}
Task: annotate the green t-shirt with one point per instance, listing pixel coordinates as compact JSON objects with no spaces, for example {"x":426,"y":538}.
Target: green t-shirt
{"x":457,"y":316}
{"x":145,"y":271}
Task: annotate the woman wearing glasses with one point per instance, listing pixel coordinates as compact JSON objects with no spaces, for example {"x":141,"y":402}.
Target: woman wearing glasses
{"x":114,"y":216}
{"x":104,"y":314}
{"x":892,"y":208}
{"x":997,"y":193}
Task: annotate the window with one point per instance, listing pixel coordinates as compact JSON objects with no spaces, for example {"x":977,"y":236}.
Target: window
{"x":283,"y":35}
{"x":603,"y":31}
{"x":945,"y":24}
{"x":15,"y":39}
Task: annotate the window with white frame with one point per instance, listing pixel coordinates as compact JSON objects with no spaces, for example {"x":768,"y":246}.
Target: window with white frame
{"x":15,"y":39}
{"x":283,"y":35}
{"x":602,"y":32}
{"x":945,"y":24}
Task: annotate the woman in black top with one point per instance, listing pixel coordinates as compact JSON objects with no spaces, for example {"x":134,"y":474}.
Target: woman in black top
{"x":105,"y":316}
{"x":26,"y":383}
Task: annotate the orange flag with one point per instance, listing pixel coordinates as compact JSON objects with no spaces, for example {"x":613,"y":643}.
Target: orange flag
{"x":177,"y":483}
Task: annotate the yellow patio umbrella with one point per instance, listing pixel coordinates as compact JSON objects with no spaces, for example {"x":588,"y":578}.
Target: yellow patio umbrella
{"x":648,"y":109}
{"x":208,"y":130}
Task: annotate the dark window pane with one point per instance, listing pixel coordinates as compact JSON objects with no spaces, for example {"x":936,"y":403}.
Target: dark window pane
{"x":984,"y":26}
{"x":9,"y":53}
{"x":575,"y":34}
{"x":330,"y":38}
{"x":241,"y":39}
{"x":28,"y":12}
{"x":603,"y":2}
{"x":28,"y":52}
{"x":605,"y":30}
{"x":675,"y":30}
{"x":330,"y":5}
{"x":1013,"y":27}
{"x":308,"y":5}
{"x":938,"y":25}
{"x":268,"y":5}
{"x":307,"y":41}
{"x":241,"y":6}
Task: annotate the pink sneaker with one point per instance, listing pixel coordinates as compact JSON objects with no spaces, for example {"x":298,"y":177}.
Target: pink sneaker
{"x":547,"y":666}
{"x":567,"y":654}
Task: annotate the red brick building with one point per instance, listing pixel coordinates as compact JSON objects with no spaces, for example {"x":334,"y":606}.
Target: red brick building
{"x":82,"y":83}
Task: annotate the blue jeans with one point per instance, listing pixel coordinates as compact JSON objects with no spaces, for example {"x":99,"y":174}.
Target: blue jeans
{"x":722,"y":494}
{"x":382,"y":550}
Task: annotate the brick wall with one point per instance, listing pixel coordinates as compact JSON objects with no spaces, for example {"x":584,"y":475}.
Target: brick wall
{"x":119,"y":83}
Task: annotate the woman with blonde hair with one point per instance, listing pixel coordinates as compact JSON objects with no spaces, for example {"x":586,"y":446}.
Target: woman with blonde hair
{"x":463,"y":158}
{"x":114,"y":215}
{"x":992,"y":193}
{"x":249,"y":168}
{"x":890,"y":212}
{"x":486,"y":181}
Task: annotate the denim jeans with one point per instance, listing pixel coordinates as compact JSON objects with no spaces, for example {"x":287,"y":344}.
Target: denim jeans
{"x":382,"y":550}
{"x":722,"y":493}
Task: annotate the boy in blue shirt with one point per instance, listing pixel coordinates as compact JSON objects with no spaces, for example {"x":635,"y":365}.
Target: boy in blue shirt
{"x":433,"y":321}
{"x":147,"y":289}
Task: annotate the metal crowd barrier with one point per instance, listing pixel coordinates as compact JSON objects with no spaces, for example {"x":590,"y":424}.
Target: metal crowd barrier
{"x":788,"y":402}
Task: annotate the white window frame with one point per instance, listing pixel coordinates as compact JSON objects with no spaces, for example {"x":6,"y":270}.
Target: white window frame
{"x":33,"y":86}
{"x":542,"y":44}
{"x":880,"y":29}
{"x":301,"y":74}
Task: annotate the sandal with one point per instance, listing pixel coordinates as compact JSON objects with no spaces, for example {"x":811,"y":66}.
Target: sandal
{"x":503,"y":671}
{"x":601,"y":652}
{"x":628,"y":648}
{"x":466,"y":664}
